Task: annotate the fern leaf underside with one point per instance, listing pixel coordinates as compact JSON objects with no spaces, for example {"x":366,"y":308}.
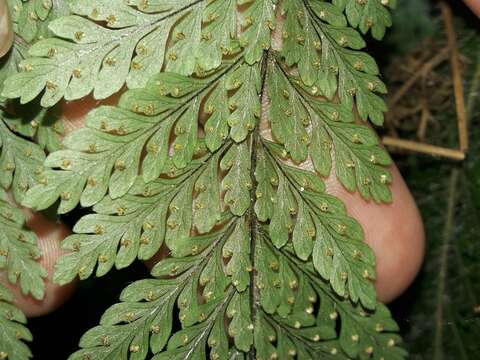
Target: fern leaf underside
{"x":203,"y":160}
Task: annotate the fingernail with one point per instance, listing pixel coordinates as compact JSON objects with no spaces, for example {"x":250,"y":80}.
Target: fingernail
{"x":6,"y":31}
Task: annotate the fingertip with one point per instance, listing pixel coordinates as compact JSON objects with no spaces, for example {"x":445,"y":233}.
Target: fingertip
{"x":474,"y":5}
{"x":400,"y":245}
{"x":159,"y":256}
{"x":74,"y":112}
{"x":394,"y":231}
{"x":55,"y":296}
{"x":50,"y":234}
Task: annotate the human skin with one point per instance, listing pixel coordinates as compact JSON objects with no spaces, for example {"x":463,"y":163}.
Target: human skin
{"x":474,"y":5}
{"x":394,"y":231}
{"x":6,"y":32}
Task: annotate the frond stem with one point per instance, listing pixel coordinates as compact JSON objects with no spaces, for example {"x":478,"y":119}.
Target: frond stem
{"x":255,"y":142}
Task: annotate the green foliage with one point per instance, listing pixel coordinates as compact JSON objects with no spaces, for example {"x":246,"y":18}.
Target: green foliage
{"x":19,"y":251}
{"x":368,"y":15}
{"x":12,"y":329}
{"x":326,"y":52}
{"x":25,"y":134}
{"x":130,"y":49}
{"x":21,"y":163}
{"x":257,"y":260}
{"x":29,"y":17}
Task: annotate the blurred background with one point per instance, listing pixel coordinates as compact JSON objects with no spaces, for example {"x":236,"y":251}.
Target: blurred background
{"x":439,"y":315}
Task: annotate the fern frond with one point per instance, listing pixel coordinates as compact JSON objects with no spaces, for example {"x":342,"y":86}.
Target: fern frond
{"x":33,"y":122}
{"x":129,"y":49}
{"x":328,"y":57}
{"x":13,"y":331}
{"x":258,"y":260}
{"x":19,"y":251}
{"x":368,"y":15}
{"x":29,"y":16}
{"x":21,"y":162}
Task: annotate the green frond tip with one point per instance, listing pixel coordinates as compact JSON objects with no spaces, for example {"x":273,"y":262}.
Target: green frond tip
{"x":19,"y":252}
{"x":21,"y":162}
{"x":231,"y":115}
{"x":13,"y":332}
{"x":368,"y":15}
{"x":29,"y":16}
